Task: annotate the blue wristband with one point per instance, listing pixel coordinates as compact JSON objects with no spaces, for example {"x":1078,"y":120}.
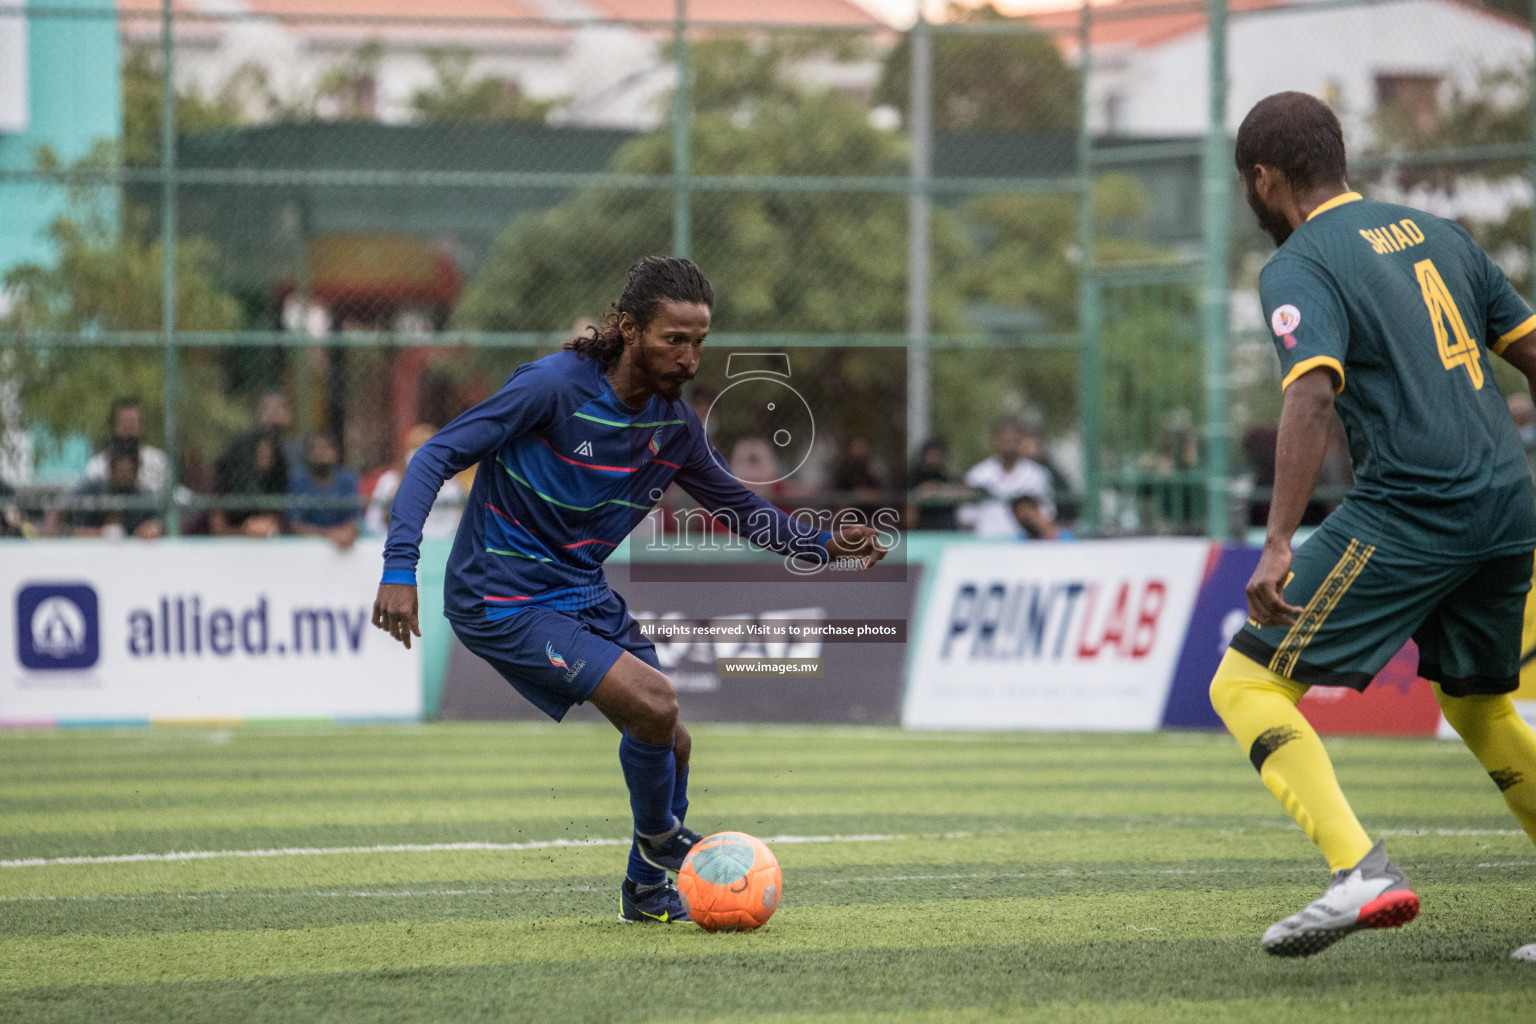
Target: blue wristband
{"x":405,"y":576}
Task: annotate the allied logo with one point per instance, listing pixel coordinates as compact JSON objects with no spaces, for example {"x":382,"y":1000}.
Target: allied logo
{"x":555,"y":658}
{"x":656,"y":442}
{"x":57,"y":627}
{"x":585,"y":448}
{"x":1285,"y":320}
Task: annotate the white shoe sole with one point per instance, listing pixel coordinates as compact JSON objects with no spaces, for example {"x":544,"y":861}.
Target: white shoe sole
{"x":1389,"y":910}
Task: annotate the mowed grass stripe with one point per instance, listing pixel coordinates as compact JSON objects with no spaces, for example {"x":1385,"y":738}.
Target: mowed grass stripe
{"x":1081,"y":846}
{"x":206,"y":956}
{"x":1077,"y":983}
{"x":1452,"y":1004}
{"x":592,"y":895}
{"x":596,"y":780}
{"x":402,"y":809}
{"x":190,"y":754}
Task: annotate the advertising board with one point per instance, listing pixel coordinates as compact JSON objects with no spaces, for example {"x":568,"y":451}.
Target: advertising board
{"x":127,"y":631}
{"x":1053,"y":635}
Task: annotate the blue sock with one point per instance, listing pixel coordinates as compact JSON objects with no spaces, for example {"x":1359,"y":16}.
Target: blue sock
{"x":680,"y":797}
{"x":650,"y":773}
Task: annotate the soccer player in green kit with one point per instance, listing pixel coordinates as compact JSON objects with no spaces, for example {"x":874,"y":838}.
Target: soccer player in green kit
{"x":1390,"y":316}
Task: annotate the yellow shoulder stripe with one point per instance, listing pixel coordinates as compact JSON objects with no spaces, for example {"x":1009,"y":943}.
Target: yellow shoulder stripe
{"x":1510,"y":337}
{"x":1338,"y":200}
{"x":1307,"y":365}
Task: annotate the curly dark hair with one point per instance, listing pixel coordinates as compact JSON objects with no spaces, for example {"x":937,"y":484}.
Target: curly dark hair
{"x":1294,"y":133}
{"x":652,"y":281}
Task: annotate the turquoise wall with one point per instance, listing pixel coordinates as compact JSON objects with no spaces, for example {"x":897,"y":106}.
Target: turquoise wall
{"x":75,"y":85}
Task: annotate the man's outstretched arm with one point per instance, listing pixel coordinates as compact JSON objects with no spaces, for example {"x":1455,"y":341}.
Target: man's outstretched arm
{"x":1305,"y":421}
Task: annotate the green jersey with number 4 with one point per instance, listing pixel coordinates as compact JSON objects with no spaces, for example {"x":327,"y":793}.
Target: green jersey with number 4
{"x":1405,"y":311}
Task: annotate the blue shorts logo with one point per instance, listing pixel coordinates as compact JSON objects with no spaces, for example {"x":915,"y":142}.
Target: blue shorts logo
{"x":57,"y":627}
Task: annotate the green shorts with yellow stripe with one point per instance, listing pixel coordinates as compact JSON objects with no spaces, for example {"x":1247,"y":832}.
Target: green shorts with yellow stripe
{"x":1361,"y":602}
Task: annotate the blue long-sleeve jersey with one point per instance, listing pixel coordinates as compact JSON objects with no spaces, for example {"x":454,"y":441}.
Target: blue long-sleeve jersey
{"x":566,"y":471}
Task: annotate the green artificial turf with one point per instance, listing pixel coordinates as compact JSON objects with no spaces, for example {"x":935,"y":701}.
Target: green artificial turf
{"x":928,"y":879}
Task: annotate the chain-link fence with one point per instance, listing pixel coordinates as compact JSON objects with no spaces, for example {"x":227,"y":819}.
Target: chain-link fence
{"x":266,"y":221}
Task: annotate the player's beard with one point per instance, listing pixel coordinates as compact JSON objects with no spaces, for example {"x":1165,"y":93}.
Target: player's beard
{"x":1276,"y":226}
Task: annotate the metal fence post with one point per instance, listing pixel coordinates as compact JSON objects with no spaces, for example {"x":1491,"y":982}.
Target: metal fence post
{"x":1217,"y":174}
{"x":168,"y":266}
{"x":919,"y":384}
{"x":682,"y":157}
{"x":1090,"y":368}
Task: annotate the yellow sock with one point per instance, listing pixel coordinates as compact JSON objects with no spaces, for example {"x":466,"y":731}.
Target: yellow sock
{"x":1504,"y":745}
{"x":1259,"y":708}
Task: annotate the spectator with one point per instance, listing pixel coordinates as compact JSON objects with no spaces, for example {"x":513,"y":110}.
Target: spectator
{"x":1335,"y":474}
{"x":1032,"y":447}
{"x":1035,"y":523}
{"x":13,"y":521}
{"x":323,"y":476}
{"x":1259,"y":445}
{"x":1003,"y":476}
{"x":1172,"y":490}
{"x":123,"y":476}
{"x":126,"y":422}
{"x":442,"y":521}
{"x":275,"y":414}
{"x":756,"y":466}
{"x":853,"y":473}
{"x":931,"y":480}
{"x":253,"y":466}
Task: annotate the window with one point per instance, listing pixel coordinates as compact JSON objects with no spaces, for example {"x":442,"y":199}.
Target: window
{"x":1413,"y":98}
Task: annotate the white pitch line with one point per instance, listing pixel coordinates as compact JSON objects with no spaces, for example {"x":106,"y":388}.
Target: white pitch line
{"x":1449,"y":832}
{"x":542,"y":844}
{"x":522,"y":890}
{"x":323,"y":851}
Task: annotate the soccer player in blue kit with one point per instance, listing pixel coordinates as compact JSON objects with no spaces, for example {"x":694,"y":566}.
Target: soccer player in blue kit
{"x":573,"y":452}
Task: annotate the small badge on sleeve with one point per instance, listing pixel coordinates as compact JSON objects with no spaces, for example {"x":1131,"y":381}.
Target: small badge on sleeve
{"x":1285,"y":319}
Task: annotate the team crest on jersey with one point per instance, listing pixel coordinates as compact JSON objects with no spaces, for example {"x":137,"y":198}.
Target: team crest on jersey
{"x":555,"y":657}
{"x":585,"y":448}
{"x":1284,"y":320}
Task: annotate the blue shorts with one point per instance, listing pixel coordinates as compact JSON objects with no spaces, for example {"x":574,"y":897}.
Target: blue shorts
{"x":556,"y":659}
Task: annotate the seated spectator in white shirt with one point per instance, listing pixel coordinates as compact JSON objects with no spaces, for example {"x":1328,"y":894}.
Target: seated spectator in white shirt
{"x":1005,"y":475}
{"x":442,"y":521}
{"x":127,"y":424}
{"x":121,"y":482}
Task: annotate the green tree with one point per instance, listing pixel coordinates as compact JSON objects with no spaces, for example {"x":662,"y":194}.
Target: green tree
{"x":1495,"y":111}
{"x":194,"y":111}
{"x":996,"y":82}
{"x":456,"y":96}
{"x":814,"y":262}
{"x":107,"y":279}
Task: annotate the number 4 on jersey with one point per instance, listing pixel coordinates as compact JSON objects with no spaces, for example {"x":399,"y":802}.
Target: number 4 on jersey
{"x":1443,"y":313}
